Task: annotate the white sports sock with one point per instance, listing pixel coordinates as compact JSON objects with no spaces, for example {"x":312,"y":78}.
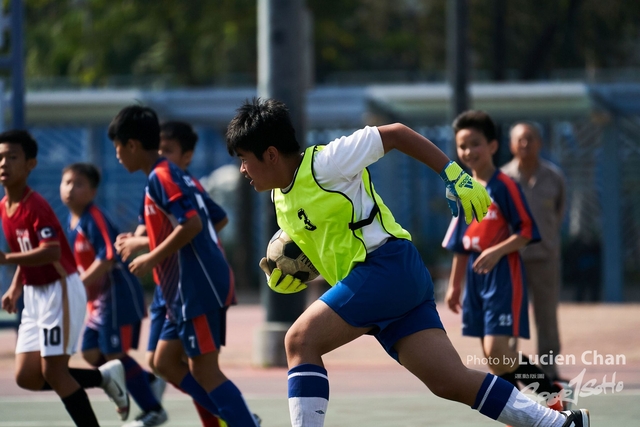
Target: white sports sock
{"x":521,"y":411}
{"x":307,"y":411}
{"x":308,"y":395}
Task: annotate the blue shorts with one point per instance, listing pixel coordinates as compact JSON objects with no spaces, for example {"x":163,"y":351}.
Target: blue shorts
{"x":158,"y":314}
{"x":169,"y":330}
{"x":111,"y":340}
{"x":200,"y":335}
{"x":496,"y":303}
{"x":391,"y":292}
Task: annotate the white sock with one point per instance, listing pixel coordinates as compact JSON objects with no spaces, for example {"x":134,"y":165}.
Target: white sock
{"x":307,"y":411}
{"x":308,"y":395}
{"x":521,"y":411}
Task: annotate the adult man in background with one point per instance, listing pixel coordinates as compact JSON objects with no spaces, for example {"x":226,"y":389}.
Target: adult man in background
{"x":543,"y":185}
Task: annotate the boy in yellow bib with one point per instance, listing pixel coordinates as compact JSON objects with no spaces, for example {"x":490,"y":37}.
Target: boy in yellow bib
{"x":326,"y":202}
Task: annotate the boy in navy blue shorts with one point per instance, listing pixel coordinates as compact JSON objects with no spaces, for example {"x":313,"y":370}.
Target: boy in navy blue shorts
{"x":177,"y":143}
{"x":115,"y":299}
{"x":486,"y":253}
{"x":380,"y":285}
{"x":187,"y":263}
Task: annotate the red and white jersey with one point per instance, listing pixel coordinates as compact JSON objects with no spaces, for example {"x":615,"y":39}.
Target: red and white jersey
{"x":34,"y":224}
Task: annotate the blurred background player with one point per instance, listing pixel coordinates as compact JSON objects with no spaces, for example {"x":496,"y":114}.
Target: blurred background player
{"x":116,"y":304}
{"x":543,"y":186}
{"x":54,"y":296}
{"x":486,"y":254}
{"x":188,"y":264}
{"x":177,"y":143}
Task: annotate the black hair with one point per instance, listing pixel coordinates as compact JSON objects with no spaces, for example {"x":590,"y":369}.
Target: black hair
{"x":22,"y":138}
{"x":478,"y":120}
{"x":260,"y":124}
{"x":136,"y":122}
{"x":180,"y":131}
{"x":87,"y":170}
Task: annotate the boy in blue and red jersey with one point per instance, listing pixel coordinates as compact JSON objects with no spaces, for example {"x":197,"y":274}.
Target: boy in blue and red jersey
{"x":177,"y":143}
{"x":187,"y":263}
{"x":54,"y":296}
{"x":495,"y":302}
{"x":115,"y":298}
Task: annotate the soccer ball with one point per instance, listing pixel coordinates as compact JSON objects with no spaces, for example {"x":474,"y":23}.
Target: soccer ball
{"x":283,"y":253}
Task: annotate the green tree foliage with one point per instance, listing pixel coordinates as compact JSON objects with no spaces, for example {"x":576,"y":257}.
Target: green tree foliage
{"x":373,"y":35}
{"x":537,"y":36}
{"x":194,"y":42}
{"x":204,"y":42}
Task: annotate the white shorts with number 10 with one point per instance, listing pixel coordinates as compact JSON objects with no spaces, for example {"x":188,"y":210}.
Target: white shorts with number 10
{"x":53,"y":317}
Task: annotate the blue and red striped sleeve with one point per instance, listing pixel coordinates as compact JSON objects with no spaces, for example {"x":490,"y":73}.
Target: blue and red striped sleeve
{"x":169,"y":191}
{"x":100,"y":235}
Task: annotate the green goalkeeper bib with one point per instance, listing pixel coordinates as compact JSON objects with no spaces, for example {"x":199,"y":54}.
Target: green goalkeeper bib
{"x":323,"y":223}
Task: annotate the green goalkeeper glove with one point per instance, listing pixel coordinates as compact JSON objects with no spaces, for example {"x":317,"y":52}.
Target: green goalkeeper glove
{"x":462,"y":188}
{"x":282,"y":284}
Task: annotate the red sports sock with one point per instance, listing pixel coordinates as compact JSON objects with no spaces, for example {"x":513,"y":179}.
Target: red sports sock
{"x":207,"y":418}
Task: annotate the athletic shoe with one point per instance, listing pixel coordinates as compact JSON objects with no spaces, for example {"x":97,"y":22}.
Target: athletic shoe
{"x":114,"y":384}
{"x":149,"y":419}
{"x":157,"y":388}
{"x":567,"y":394}
{"x":576,"y":418}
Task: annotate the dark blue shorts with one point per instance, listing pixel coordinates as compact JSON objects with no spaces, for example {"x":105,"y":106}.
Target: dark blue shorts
{"x":496,"y":303}
{"x":391,"y":292}
{"x":169,"y":330}
{"x":200,"y":335}
{"x":157,"y":314}
{"x":111,"y":340}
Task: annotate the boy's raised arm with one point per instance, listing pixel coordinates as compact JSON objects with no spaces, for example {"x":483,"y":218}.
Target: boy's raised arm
{"x":461,"y":187}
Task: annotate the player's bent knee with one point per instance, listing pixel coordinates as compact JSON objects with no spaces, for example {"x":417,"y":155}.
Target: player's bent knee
{"x":33,"y":381}
{"x":55,"y":376}
{"x":296,"y":342}
{"x":164,"y":368}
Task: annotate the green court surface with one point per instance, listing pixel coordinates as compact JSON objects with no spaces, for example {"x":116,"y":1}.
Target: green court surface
{"x":412,"y":410}
{"x":370,"y":389}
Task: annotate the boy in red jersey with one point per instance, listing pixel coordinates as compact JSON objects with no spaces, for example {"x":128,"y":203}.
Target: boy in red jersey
{"x":54,"y":296}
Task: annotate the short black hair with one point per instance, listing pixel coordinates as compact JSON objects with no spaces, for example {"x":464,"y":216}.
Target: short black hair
{"x":88,"y":170}
{"x":180,"y":131}
{"x":22,"y":138}
{"x":136,"y":122}
{"x":478,"y":120}
{"x":260,"y":124}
